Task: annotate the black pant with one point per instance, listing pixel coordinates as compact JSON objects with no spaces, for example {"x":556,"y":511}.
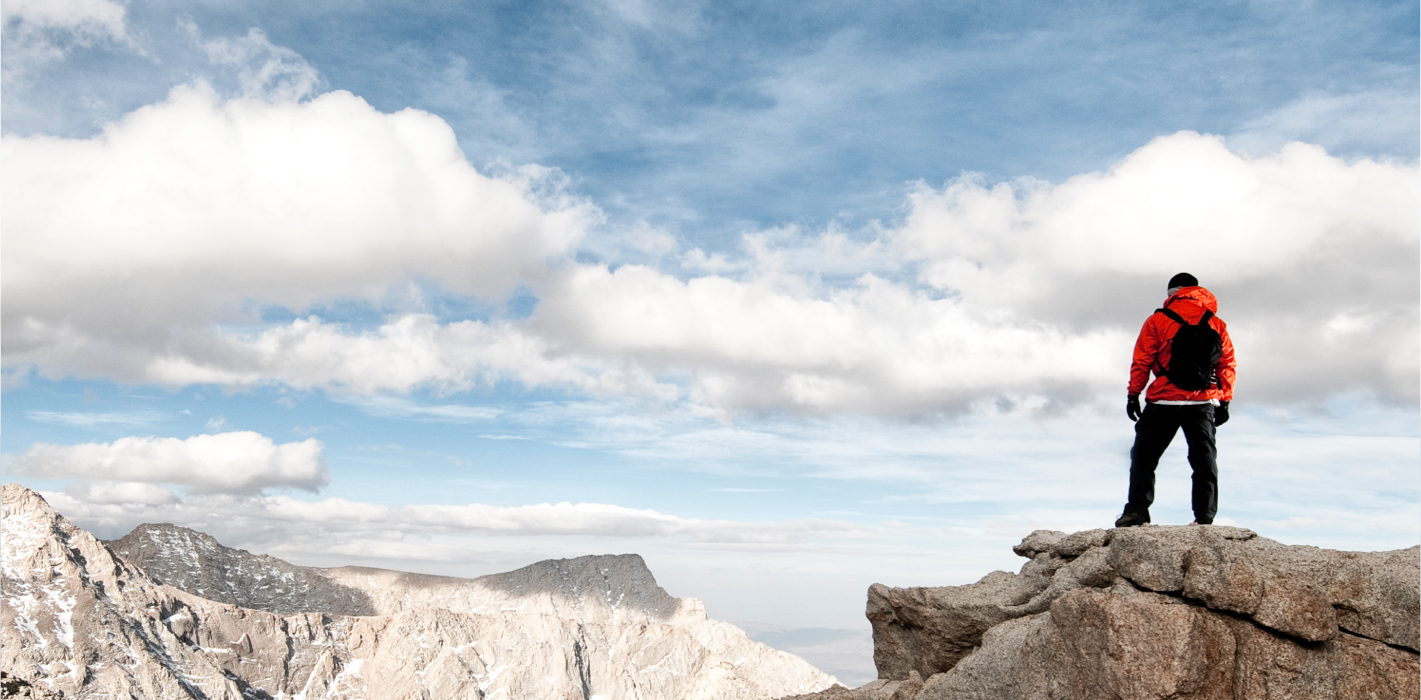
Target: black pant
{"x":1153,"y":433}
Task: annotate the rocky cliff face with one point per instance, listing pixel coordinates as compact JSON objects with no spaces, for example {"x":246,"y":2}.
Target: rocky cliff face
{"x":1197,"y":612}
{"x":88,"y":621}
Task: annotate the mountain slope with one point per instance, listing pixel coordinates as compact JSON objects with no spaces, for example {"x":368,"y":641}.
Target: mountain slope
{"x":78,"y":620}
{"x":195,"y":562}
{"x":84,"y":621}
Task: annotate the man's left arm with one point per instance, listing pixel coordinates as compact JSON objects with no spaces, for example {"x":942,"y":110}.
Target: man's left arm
{"x":1226,"y":369}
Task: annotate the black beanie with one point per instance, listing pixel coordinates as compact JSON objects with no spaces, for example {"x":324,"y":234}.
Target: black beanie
{"x":1183,"y":279}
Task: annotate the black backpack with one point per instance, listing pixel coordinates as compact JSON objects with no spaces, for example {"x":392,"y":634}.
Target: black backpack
{"x":1196,"y":352}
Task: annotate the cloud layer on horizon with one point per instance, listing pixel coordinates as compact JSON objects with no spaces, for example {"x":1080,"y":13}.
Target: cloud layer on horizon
{"x":1023,"y":479}
{"x":116,"y":507}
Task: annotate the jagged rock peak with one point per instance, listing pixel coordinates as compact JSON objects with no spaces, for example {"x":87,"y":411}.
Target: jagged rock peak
{"x":195,"y":562}
{"x":611,"y":588}
{"x":612,"y":580}
{"x":1155,"y":612}
{"x":78,"y":621}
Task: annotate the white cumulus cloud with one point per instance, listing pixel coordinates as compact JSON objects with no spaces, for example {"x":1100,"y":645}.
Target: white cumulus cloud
{"x":122,"y":247}
{"x":237,"y":463}
{"x":405,"y":353}
{"x":874,"y":347}
{"x":200,"y":212}
{"x":1313,"y":258}
{"x":121,"y":493}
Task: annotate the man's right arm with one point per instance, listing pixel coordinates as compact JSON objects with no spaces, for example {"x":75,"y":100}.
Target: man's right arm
{"x":1146,"y":348}
{"x":1146,"y":351}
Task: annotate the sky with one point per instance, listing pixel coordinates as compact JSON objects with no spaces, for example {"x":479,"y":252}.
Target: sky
{"x":789,"y":299}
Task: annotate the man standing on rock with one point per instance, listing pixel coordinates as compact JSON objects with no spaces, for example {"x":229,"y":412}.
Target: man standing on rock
{"x":1189,"y":351}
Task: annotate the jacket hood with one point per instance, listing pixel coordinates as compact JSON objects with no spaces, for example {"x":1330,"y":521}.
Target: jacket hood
{"x":1198,"y":295}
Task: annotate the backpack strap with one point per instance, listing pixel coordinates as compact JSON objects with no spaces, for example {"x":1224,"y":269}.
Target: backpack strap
{"x":1173,"y":316}
{"x":1203,"y":321}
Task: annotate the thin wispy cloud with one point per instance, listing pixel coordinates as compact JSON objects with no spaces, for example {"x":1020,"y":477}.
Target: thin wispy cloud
{"x":387,"y":406}
{"x":1345,"y":123}
{"x":80,"y":419}
{"x":37,"y":32}
{"x":265,"y":70}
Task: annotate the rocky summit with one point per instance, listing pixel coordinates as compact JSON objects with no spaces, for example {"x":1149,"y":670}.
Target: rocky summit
{"x":1155,"y":613}
{"x":195,"y":562}
{"x":167,"y":612}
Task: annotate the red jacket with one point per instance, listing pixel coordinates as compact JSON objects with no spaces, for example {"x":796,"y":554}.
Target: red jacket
{"x":1153,"y":347}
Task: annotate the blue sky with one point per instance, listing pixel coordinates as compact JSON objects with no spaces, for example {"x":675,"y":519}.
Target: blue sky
{"x":789,"y":299}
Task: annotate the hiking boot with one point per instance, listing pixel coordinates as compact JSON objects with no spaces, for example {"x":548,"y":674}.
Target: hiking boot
{"x":1196,"y":522}
{"x":1132,"y":519}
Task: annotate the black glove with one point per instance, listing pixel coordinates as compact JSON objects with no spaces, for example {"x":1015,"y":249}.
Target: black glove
{"x":1221,"y":413}
{"x":1132,"y":407}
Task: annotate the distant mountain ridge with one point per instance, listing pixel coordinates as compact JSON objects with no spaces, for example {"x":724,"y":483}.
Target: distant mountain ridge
{"x":195,"y":562}
{"x":618,"y":586}
{"x":95,"y":621}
